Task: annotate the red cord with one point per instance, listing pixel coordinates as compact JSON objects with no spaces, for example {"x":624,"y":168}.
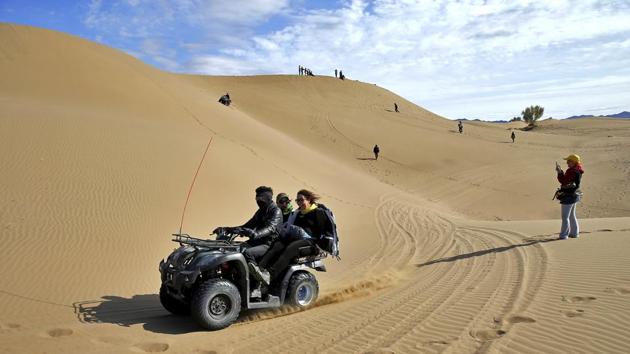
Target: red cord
{"x":193,"y":183}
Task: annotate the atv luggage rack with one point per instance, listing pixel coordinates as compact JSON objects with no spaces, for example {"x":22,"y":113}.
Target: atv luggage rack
{"x":222,"y":245}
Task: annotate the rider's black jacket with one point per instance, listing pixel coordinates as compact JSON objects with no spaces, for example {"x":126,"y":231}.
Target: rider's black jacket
{"x":266,"y":224}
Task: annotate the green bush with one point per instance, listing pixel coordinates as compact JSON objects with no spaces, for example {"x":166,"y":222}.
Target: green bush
{"x":531,"y":114}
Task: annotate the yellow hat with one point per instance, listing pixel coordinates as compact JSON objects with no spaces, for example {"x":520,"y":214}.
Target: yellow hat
{"x":573,"y":157}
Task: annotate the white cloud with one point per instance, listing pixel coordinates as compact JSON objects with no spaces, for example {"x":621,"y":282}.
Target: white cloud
{"x":245,"y":12}
{"x":224,"y":66}
{"x":435,"y":53}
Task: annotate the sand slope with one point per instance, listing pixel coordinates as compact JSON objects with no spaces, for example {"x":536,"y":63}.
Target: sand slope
{"x":98,"y":151}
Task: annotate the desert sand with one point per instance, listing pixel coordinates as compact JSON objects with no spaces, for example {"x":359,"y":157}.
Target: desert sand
{"x":448,"y":241}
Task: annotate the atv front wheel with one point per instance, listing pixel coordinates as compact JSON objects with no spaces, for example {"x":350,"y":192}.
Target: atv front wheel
{"x":216,"y":304}
{"x":171,"y":304}
{"x":303,"y":289}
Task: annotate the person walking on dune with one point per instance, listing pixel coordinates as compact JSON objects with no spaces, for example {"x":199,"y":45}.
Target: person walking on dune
{"x":395,"y":107}
{"x":513,"y":136}
{"x":569,"y":195}
{"x":376,"y":150}
{"x":460,"y":127}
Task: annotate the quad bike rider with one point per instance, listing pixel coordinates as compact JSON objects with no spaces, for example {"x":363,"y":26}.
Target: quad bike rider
{"x":262,"y":229}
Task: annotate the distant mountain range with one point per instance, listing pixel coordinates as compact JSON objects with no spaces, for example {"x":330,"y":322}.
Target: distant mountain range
{"x":624,"y":114}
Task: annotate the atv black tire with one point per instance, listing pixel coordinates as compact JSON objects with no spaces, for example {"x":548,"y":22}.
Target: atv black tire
{"x":303,"y":290}
{"x":216,"y":304}
{"x":173,"y":305}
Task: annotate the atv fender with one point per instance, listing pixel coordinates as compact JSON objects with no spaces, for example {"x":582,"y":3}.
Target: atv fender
{"x":285,"y":280}
{"x":210,"y":261}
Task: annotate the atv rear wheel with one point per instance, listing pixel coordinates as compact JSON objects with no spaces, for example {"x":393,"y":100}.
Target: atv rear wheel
{"x":303,"y":289}
{"x":171,"y":304}
{"x":216,"y":304}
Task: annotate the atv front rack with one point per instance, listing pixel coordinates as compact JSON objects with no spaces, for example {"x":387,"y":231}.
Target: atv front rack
{"x":185,"y":239}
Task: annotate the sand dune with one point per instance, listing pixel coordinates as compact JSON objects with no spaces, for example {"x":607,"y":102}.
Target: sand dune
{"x":448,"y":240}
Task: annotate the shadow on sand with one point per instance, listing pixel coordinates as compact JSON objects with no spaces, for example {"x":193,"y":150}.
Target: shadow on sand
{"x":139,"y":309}
{"x":148,"y":311}
{"x":528,"y":242}
{"x":365,"y":158}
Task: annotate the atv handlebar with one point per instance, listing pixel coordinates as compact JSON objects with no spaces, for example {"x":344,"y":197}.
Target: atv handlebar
{"x":223,"y":240}
{"x":227,"y":235}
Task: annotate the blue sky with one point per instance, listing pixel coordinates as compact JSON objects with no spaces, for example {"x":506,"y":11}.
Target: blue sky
{"x":460,"y":59}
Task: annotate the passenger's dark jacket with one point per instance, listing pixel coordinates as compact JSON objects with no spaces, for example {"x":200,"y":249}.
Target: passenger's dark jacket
{"x":315,"y":223}
{"x":285,"y":216}
{"x":266,"y":224}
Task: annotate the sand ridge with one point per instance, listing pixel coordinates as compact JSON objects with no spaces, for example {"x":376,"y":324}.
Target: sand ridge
{"x":448,"y":240}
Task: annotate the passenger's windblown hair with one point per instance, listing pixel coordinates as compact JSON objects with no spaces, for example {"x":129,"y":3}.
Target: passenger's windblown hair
{"x":310,"y":196}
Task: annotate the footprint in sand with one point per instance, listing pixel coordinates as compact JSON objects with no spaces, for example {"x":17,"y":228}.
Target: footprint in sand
{"x":111,"y":340}
{"x":572,"y":314}
{"x":618,"y":291}
{"x":59,"y":332}
{"x":578,"y":299}
{"x":487,"y":335}
{"x":520,"y":319}
{"x":380,"y":351}
{"x":151,"y":347}
{"x":8,"y":327}
{"x":433,"y":343}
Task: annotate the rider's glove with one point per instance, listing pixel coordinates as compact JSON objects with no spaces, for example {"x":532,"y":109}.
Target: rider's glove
{"x":219,"y":230}
{"x":247,"y":232}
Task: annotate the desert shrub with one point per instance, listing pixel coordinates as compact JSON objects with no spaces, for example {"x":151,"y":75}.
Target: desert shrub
{"x":531,"y":114}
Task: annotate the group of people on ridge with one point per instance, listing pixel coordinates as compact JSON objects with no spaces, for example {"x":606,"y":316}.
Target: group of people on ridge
{"x":276,"y":232}
{"x":304,"y":71}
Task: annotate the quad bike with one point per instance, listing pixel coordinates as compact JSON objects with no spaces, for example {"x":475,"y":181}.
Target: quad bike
{"x":210,"y":280}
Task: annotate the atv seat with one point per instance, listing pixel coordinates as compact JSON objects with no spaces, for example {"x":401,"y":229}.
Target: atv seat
{"x":307,"y":251}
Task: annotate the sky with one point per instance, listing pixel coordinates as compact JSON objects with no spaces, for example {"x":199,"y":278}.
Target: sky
{"x":475,"y":59}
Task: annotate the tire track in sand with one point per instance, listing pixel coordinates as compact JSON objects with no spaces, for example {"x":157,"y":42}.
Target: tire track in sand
{"x":463,"y":290}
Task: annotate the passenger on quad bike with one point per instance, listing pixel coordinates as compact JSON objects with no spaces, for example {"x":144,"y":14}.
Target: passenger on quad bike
{"x":262,"y":229}
{"x":284,"y":203}
{"x":309,"y":226}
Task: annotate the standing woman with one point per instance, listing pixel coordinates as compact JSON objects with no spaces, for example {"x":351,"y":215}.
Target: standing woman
{"x":569,"y":195}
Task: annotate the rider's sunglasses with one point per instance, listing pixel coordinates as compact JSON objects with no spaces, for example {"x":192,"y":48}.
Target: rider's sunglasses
{"x":299,"y":200}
